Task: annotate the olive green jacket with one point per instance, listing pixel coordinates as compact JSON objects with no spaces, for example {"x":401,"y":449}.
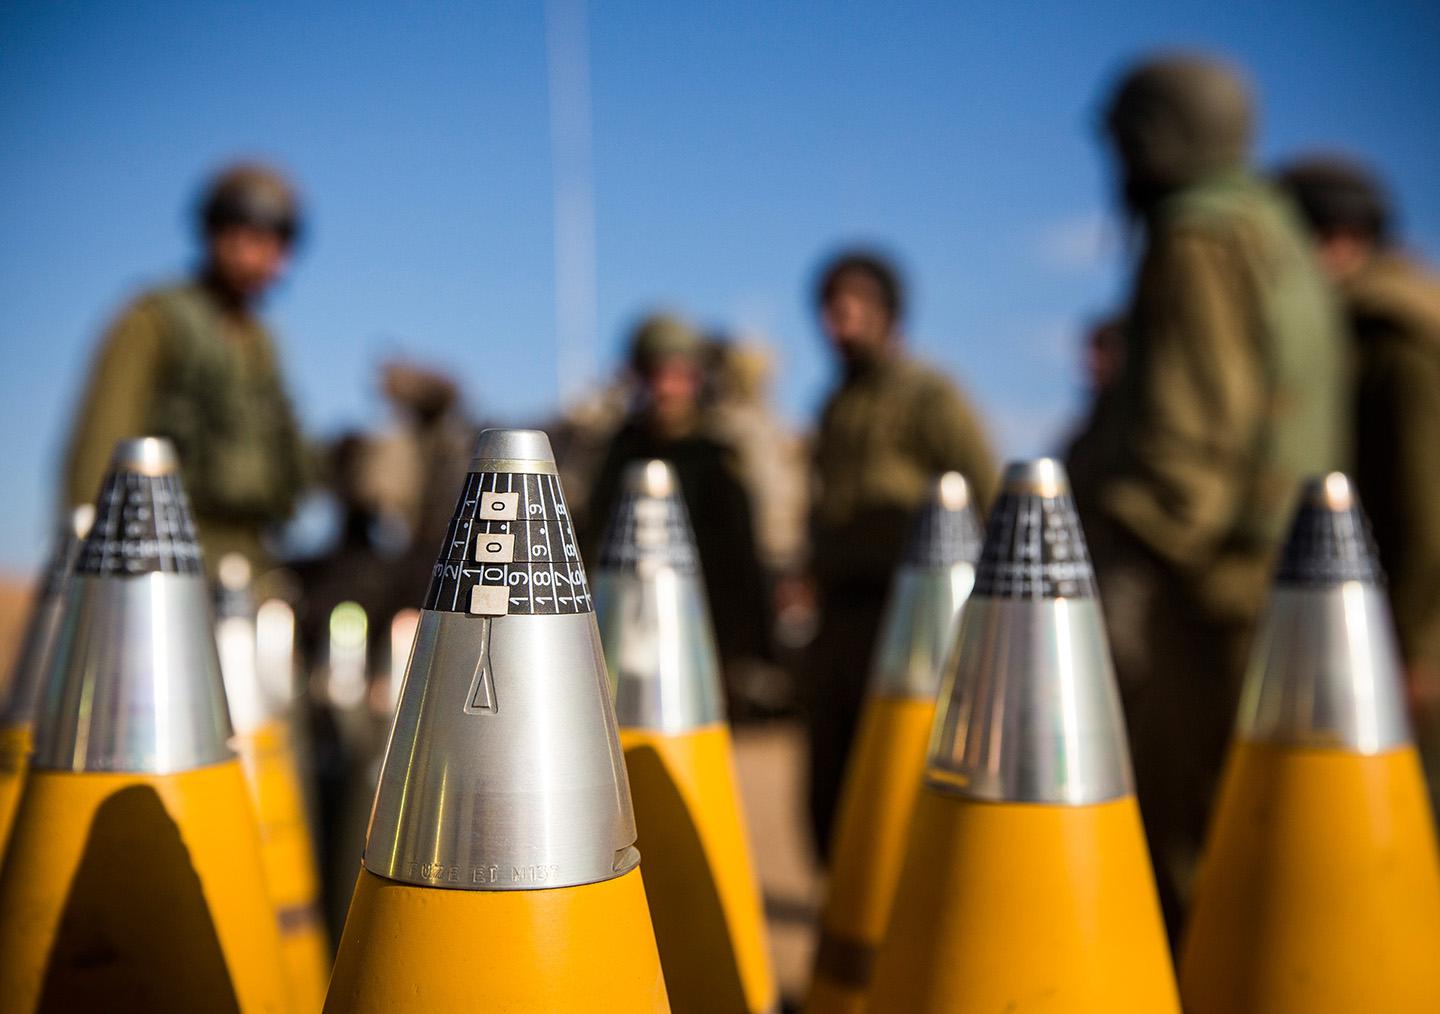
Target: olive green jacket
{"x":885,"y":434}
{"x":1232,"y":392}
{"x":175,"y":364}
{"x":1394,"y":307}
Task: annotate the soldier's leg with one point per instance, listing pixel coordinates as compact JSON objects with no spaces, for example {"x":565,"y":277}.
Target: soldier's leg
{"x":1182,"y":719}
{"x":1130,"y":590}
{"x":840,"y":669}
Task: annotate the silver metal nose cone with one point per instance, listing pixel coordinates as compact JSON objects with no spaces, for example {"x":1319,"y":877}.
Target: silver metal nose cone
{"x":650,"y":603}
{"x":133,"y":684}
{"x":153,"y":456}
{"x":44,"y":623}
{"x":1325,"y":672}
{"x":934,"y":579}
{"x":503,"y":450}
{"x":1030,"y":712}
{"x":504,"y":770}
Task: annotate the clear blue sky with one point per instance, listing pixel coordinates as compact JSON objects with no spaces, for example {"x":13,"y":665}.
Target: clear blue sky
{"x":732,"y":145}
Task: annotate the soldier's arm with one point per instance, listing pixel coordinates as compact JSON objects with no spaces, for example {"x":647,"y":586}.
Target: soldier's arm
{"x":952,"y":438}
{"x":1195,"y":403}
{"x":116,"y":404}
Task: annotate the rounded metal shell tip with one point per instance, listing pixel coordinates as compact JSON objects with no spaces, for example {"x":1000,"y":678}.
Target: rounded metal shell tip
{"x":1036,"y":477}
{"x":952,"y":492}
{"x":1332,"y":492}
{"x":654,"y":478}
{"x":147,"y":455}
{"x":514,"y":445}
{"x":81,"y":518}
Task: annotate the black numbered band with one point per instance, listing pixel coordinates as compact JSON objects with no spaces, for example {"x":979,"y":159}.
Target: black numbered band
{"x":655,"y":530}
{"x":142,"y":526}
{"x":1327,"y":546}
{"x":1034,"y":549}
{"x":510,"y":549}
{"x":941,"y":538}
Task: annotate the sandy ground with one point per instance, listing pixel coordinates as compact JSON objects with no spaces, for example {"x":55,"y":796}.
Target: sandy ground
{"x":770,"y":763}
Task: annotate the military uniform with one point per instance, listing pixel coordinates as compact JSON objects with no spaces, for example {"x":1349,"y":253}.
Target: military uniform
{"x":890,"y":428}
{"x":1230,"y":395}
{"x":178,"y":365}
{"x":1394,"y":306}
{"x":1231,"y":392}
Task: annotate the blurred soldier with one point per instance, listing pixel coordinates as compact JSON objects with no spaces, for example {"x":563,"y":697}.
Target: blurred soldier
{"x":1394,"y":307}
{"x":770,"y":460}
{"x":665,"y":355}
{"x":435,"y":441}
{"x":769,"y":454}
{"x":193,"y":363}
{"x":886,"y":431}
{"x":581,"y":435}
{"x":1103,"y":355}
{"x":1231,"y":391}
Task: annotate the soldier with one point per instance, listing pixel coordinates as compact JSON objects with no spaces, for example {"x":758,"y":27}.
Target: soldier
{"x":431,"y":447}
{"x":1103,"y":353}
{"x":888,"y":429}
{"x":771,"y":460}
{"x":1393,"y":302}
{"x":1230,"y":392}
{"x":667,"y":422}
{"x":770,"y":456}
{"x":193,"y":363}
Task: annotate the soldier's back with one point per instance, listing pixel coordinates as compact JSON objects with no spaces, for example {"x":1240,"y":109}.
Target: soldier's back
{"x":1394,"y":305}
{"x":1230,"y":276}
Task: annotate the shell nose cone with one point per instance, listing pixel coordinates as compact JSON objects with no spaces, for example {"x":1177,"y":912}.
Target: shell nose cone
{"x":1031,"y":713}
{"x":1326,"y":669}
{"x":1044,"y":477}
{"x":135,"y":682}
{"x":650,"y":604}
{"x":513,"y":445}
{"x":153,"y":456}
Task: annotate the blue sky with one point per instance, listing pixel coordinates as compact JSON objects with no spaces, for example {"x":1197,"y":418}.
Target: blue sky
{"x":730,"y":145}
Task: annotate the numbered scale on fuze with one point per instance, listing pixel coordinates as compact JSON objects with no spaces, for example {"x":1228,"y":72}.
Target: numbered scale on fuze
{"x":510,"y":550}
